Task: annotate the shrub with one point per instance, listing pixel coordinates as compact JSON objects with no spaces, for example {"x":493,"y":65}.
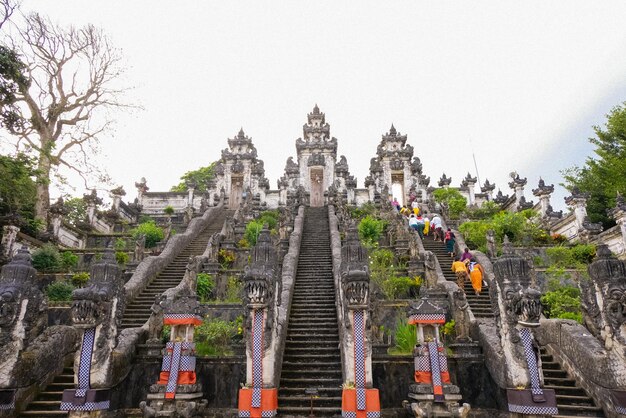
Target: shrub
{"x":381,"y":265}
{"x":486,"y":211}
{"x":120,"y":244}
{"x":560,"y":256}
{"x":448,"y":330}
{"x":561,"y":301}
{"x":451,"y":198}
{"x":233,"y":290}
{"x":558,"y":238}
{"x":243,"y":243}
{"x":269,"y":217}
{"x":405,"y":337}
{"x":165,"y":333}
{"x":69,"y":260}
{"x":226,"y":258}
{"x":168,"y":210}
{"x":253,"y":229}
{"x":80,"y":279}
{"x":153,"y":233}
{"x":47,"y":258}
{"x":395,"y":287}
{"x":583,"y":253}
{"x":370,"y":229}
{"x":215,"y":336}
{"x":475,"y":233}
{"x":121,"y":257}
{"x":205,"y":286}
{"x":59,"y":292}
{"x":363,"y":211}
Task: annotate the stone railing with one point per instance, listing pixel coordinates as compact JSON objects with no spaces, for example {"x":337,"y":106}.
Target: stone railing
{"x":335,"y":246}
{"x":288,"y":279}
{"x":149,"y":267}
{"x":583,"y":356}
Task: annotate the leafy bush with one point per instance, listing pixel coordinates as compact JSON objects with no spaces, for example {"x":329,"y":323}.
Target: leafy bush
{"x":362,"y":211}
{"x":448,"y":330}
{"x":168,"y":210}
{"x":226,"y":258}
{"x":269,"y":217}
{"x":120,"y":244}
{"x":558,"y":238}
{"x":80,"y":279}
{"x":561,"y":301}
{"x":121,"y":257}
{"x":452,"y":199}
{"x":370,"y":229}
{"x":395,"y":287}
{"x":205,"y":286}
{"x":214,"y":336}
{"x":165,"y":333}
{"x":381,"y":265}
{"x":153,"y":233}
{"x":59,"y":292}
{"x":253,"y":229}
{"x":486,"y":211}
{"x":243,"y":243}
{"x":583,"y":253}
{"x":560,"y":256}
{"x":47,"y":258}
{"x":69,"y":260}
{"x":233,"y":290}
{"x":405,"y":337}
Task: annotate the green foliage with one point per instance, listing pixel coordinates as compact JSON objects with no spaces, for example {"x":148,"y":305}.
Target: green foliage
{"x":561,"y":301}
{"x":205,"y":286}
{"x":226,"y":258}
{"x":120,"y":244}
{"x":583,"y":253}
{"x":121,"y":257}
{"x":361,"y":212}
{"x":233,"y":290}
{"x":519,"y":227}
{"x":396,"y":287}
{"x":12,"y":78}
{"x":253,"y":229}
{"x":243,"y":243}
{"x":405,"y":337}
{"x":69,"y":261}
{"x":451,"y":200}
{"x":17,"y":187}
{"x":602,"y":176}
{"x":59,"y":292}
{"x":370,"y":229}
{"x":80,"y":279}
{"x":214,"y":336}
{"x":47,"y":258}
{"x":76,"y":209}
{"x":269,"y":217}
{"x":571,"y":257}
{"x":153,"y":233}
{"x":165,"y":333}
{"x":486,"y":211}
{"x":448,"y":328}
{"x":200,"y":177}
{"x":168,"y":210}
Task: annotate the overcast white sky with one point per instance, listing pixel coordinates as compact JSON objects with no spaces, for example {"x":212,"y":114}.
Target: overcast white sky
{"x":519,"y":83}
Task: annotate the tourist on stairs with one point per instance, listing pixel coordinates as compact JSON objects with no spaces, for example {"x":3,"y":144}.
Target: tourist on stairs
{"x":450,"y":240}
{"x":435,"y":225}
{"x":476,"y":275}
{"x":460,"y":269}
{"x":426,"y":224}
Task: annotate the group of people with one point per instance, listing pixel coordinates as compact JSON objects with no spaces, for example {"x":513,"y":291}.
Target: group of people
{"x":420,"y":223}
{"x":466,"y":267}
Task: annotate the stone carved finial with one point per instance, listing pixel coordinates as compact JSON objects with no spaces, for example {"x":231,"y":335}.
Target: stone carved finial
{"x":487,"y":187}
{"x":392,"y":130}
{"x":542,"y":189}
{"x":516,"y":181}
{"x":468,"y":180}
{"x":118,"y":191}
{"x":500,"y":198}
{"x":141,"y":185}
{"x":444,"y":180}
{"x":92,"y":198}
{"x":354,"y":271}
{"x":260,"y":276}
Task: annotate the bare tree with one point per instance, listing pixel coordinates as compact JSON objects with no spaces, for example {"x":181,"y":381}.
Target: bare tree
{"x":7,"y":7}
{"x":65,"y":89}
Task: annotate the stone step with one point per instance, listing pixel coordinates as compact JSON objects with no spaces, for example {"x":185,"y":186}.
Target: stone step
{"x":287,"y":401}
{"x":51,"y":413}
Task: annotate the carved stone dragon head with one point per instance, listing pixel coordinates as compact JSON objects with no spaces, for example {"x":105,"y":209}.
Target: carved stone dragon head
{"x":259,"y":277}
{"x":93,"y":305}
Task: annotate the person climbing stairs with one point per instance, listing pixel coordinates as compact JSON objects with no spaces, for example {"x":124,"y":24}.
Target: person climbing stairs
{"x":138,"y":311}
{"x":312,"y":359}
{"x":571,"y":399}
{"x":479,"y":304}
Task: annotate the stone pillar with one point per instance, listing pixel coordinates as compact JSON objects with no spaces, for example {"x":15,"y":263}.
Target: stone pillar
{"x":260,"y":396}
{"x":96,"y":310}
{"x":517,"y":184}
{"x":9,"y":236}
{"x":92,"y":200}
{"x":469,"y":182}
{"x":116,"y":195}
{"x":362,"y":399}
{"x":543,"y":192}
{"x":488,"y":189}
{"x":619,"y":214}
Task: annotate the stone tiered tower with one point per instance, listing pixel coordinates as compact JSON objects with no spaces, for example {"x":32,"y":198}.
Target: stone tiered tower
{"x":239,"y":172}
{"x":392,"y":170}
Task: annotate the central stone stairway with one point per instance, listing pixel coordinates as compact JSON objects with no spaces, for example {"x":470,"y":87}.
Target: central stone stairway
{"x":479,"y":304}
{"x":138,"y":311}
{"x":312,"y":359}
{"x":571,"y":399}
{"x":48,"y":401}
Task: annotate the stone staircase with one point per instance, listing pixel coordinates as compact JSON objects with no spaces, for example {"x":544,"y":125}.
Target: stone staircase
{"x":571,"y":399}
{"x":138,"y":311}
{"x":479,"y":304}
{"x":312,"y":358}
{"x":48,"y":401}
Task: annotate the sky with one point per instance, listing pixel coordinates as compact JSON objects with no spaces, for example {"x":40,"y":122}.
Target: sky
{"x":517,"y":84}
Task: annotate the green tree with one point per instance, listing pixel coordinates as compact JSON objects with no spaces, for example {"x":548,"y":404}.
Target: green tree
{"x":57,"y":87}
{"x":199,"y":177}
{"x":602,"y":176}
{"x":17,"y":187}
{"x":451,"y":201}
{"x":76,"y":210}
